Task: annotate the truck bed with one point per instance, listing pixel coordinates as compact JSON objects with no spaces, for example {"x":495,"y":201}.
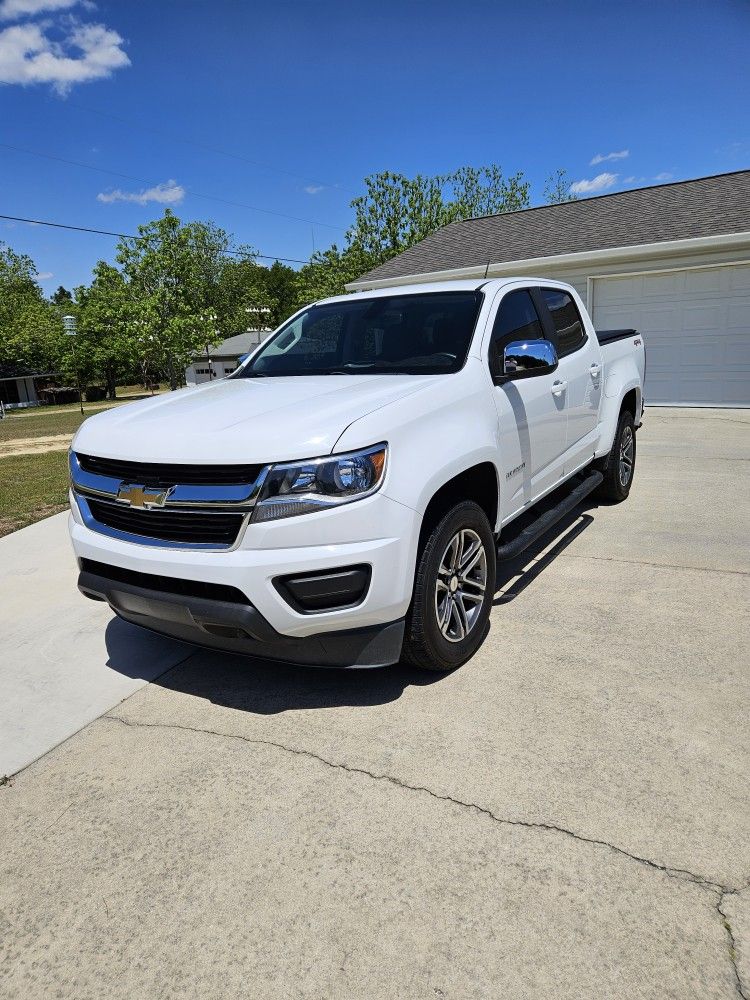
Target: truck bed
{"x":607,"y":336}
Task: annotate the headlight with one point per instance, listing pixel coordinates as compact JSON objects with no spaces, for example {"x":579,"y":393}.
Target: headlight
{"x":320,"y":483}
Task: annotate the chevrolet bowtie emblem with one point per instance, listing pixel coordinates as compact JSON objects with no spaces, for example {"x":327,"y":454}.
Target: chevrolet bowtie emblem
{"x":141,"y":496}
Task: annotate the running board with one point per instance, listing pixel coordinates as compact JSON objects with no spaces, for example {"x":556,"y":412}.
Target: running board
{"x":550,"y":517}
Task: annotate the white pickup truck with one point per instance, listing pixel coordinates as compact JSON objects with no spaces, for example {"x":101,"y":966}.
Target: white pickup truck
{"x":342,"y":498}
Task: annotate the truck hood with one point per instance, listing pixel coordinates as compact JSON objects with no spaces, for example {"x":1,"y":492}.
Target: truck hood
{"x":253,"y":420}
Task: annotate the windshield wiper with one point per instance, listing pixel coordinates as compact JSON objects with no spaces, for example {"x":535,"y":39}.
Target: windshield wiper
{"x":347,"y":370}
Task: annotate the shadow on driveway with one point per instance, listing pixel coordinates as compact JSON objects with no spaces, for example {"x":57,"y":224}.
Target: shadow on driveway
{"x":268,"y":688}
{"x":261,"y":686}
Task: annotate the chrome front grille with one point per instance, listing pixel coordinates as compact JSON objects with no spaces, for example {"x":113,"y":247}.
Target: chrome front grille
{"x":170,"y":506}
{"x":161,"y":474}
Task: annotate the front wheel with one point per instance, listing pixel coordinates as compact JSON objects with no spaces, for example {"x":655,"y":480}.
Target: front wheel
{"x":453,"y":590}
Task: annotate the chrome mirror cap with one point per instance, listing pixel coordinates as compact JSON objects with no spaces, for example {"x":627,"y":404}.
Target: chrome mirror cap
{"x":523,"y":359}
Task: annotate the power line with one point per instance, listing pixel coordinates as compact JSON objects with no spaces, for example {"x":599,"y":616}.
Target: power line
{"x":205,"y":146}
{"x":143,"y":180}
{"x":125,"y":236}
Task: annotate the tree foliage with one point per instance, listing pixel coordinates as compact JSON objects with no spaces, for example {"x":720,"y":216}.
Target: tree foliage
{"x":174,"y":274}
{"x":557,"y":188}
{"x":105,"y":345}
{"x":31,"y":333}
{"x":397,"y":211}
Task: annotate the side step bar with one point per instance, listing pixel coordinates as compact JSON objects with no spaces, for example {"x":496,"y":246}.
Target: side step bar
{"x":550,"y":517}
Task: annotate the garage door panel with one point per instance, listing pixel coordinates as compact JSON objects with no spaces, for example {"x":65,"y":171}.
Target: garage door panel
{"x":696,"y":326}
{"x":737,"y":316}
{"x":700,"y":282}
{"x":739,"y":279}
{"x":662,"y":285}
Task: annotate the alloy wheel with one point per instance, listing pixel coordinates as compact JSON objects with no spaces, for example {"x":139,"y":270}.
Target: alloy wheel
{"x":461,"y":585}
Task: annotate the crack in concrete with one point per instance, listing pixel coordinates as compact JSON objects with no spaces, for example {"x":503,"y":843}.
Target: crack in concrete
{"x":741,"y":991}
{"x":681,"y":874}
{"x":655,"y":565}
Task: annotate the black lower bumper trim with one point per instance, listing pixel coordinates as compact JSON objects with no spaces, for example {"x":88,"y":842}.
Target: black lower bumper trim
{"x":237,"y":628}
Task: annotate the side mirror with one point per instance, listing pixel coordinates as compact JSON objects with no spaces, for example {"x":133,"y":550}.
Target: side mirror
{"x":524,"y":359}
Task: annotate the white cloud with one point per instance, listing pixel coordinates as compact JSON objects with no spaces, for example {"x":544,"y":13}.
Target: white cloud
{"x":664,"y":176}
{"x":14,"y":10}
{"x":314,"y":188}
{"x":29,"y":55}
{"x":599,"y":183}
{"x":605,"y":157}
{"x":45,"y":275}
{"x":169,"y":193}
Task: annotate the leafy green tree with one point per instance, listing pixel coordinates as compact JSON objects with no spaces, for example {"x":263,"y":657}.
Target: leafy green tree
{"x":174,"y":272}
{"x":62,"y":296}
{"x":397,"y":211}
{"x":329,"y":271}
{"x":31,"y":333}
{"x":106,"y":333}
{"x":243,"y":293}
{"x":557,"y":188}
{"x":282,"y":288}
{"x":479,"y":191}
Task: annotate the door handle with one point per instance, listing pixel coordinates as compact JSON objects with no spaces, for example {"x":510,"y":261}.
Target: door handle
{"x":559,"y":387}
{"x":595,"y":370}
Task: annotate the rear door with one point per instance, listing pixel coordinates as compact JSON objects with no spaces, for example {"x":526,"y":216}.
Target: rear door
{"x":531,"y":411}
{"x":580,"y":371}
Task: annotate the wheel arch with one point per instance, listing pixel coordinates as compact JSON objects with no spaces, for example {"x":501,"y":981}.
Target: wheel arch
{"x":478,"y":482}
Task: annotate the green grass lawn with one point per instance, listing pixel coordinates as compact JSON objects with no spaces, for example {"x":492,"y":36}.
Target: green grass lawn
{"x":36,"y":486}
{"x":45,"y":423}
{"x":42,"y":421}
{"x":32,"y":487}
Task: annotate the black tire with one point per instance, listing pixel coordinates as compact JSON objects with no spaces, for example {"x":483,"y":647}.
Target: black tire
{"x":426,"y":644}
{"x":620,"y":465}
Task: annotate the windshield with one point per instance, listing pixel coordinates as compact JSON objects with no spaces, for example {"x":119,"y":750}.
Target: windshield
{"x":425,"y":334}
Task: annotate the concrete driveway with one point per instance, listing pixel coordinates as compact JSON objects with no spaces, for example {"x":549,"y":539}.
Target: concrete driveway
{"x":567,"y":816}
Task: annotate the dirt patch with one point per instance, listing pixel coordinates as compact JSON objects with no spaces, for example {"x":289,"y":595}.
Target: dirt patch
{"x":35,"y":445}
{"x":9,"y":524}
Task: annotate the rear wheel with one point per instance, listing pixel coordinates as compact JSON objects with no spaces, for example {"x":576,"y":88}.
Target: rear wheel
{"x":453,"y":591}
{"x":620,"y":465}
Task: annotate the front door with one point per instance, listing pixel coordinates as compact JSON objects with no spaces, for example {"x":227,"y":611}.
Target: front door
{"x":531,"y":411}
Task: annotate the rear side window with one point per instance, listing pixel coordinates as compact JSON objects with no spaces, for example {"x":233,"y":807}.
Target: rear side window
{"x":567,"y":320}
{"x":516,"y":319}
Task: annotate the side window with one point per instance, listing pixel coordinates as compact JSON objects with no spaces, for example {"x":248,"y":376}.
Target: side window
{"x":570,"y":332}
{"x":516,"y":319}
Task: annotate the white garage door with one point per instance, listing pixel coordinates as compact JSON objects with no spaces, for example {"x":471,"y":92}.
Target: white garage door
{"x":696,"y":326}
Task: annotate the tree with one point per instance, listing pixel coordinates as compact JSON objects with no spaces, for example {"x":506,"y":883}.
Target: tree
{"x":484,"y":191}
{"x":282,"y":287}
{"x":557,"y":188}
{"x":174,"y":272}
{"x":329,"y":271}
{"x":397,"y":211}
{"x":242,"y":294}
{"x":106,"y":332}
{"x":62,"y":296}
{"x":31,"y":333}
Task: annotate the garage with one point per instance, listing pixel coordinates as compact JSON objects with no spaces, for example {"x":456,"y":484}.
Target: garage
{"x":671,"y":260}
{"x":696,"y":325}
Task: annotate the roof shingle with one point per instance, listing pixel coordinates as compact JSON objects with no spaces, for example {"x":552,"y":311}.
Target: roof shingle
{"x":708,"y":206}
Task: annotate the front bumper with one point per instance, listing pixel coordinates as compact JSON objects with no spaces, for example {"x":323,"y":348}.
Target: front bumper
{"x":377,"y":531}
{"x":241,"y":628}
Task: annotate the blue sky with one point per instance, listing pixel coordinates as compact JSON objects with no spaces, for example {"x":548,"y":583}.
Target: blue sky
{"x":308,"y":98}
